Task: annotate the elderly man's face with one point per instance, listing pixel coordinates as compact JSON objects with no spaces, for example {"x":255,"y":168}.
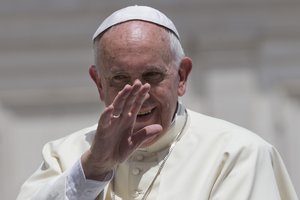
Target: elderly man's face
{"x":140,"y":50}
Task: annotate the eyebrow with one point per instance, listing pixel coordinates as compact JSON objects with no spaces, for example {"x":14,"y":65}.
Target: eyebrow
{"x":156,"y":69}
{"x":148,"y":69}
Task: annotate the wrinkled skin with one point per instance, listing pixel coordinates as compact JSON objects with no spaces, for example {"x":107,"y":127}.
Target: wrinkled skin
{"x":138,"y":80}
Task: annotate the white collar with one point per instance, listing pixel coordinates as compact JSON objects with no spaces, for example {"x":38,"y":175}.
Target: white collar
{"x":169,"y":136}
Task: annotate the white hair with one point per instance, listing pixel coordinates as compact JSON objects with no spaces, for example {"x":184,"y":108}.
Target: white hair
{"x":176,"y":49}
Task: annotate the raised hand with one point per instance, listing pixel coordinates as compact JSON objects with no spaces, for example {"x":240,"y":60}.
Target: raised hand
{"x":115,"y":140}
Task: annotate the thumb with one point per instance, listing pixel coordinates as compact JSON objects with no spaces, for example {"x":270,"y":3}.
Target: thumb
{"x":145,"y":133}
{"x":138,"y":138}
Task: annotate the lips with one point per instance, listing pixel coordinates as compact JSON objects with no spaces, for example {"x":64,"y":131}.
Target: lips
{"x":145,"y":117}
{"x":145,"y":112}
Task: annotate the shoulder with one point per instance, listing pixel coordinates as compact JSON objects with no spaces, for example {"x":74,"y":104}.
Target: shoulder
{"x":230,"y":136}
{"x":81,"y":136}
{"x":70,"y":147}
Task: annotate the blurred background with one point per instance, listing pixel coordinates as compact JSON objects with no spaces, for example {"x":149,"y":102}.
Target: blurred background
{"x":246,"y":56}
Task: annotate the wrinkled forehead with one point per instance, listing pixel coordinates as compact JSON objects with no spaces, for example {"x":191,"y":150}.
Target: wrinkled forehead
{"x":134,"y":38}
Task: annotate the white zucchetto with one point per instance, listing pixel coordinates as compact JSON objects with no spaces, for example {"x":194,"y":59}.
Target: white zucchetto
{"x":143,"y":13}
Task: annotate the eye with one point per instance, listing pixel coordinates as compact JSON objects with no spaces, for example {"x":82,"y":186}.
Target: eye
{"x":119,"y":80}
{"x":153,"y":77}
{"x":120,"y":77}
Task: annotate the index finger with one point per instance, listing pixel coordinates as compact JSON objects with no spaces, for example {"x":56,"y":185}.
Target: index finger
{"x":120,"y":99}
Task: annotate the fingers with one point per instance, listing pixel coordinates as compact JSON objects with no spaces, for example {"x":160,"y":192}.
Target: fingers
{"x":135,"y":108}
{"x":129,"y":100}
{"x":149,"y":131}
{"x":136,"y":99}
{"x":106,"y":116}
{"x":120,"y":100}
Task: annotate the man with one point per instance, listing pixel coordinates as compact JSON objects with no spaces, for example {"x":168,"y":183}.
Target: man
{"x":146,"y":145}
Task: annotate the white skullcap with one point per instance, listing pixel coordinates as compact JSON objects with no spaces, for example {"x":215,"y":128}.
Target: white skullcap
{"x":143,"y":13}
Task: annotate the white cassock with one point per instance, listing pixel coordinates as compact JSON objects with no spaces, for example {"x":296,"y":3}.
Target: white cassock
{"x":213,"y":160}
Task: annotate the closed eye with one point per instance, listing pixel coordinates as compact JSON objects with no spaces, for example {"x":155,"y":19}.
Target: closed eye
{"x":153,"y":77}
{"x":119,"y":80}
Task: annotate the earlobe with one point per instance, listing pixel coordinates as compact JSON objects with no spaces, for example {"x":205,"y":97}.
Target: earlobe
{"x":93,"y":73}
{"x":96,"y":78}
{"x":183,"y":72}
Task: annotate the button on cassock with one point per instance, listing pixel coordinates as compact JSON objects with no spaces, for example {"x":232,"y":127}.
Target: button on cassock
{"x":137,"y":194}
{"x":135,"y":171}
{"x":139,"y":157}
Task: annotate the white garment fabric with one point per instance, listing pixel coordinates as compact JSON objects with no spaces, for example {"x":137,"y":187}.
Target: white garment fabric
{"x":78,"y":187}
{"x":213,"y":160}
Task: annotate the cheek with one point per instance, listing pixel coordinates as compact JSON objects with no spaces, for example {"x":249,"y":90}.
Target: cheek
{"x":109,"y":96}
{"x":168,"y":87}
{"x":166,"y":91}
{"x":166,"y":96}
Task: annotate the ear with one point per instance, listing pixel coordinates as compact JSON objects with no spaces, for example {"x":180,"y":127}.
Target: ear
{"x":96,"y":78}
{"x":183,"y":72}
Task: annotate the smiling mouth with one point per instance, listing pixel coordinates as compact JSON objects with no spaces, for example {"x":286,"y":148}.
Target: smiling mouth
{"x":143,"y":113}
